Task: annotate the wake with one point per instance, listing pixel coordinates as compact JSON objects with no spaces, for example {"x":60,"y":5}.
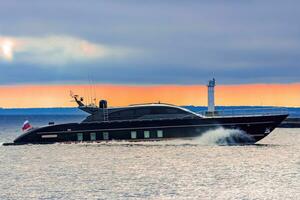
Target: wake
{"x":223,"y":136}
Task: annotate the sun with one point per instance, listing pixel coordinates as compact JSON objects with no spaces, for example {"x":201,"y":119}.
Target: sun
{"x":7,"y":49}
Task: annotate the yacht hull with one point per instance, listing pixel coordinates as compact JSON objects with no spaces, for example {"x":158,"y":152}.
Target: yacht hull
{"x":254,"y":127}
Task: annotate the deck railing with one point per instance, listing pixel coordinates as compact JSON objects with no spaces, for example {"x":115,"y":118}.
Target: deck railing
{"x":245,"y":112}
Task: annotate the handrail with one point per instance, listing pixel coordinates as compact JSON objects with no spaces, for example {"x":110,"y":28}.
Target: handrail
{"x":245,"y":112}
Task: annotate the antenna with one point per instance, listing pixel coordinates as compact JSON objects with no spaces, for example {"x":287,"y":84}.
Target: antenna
{"x":95,"y":94}
{"x":92,"y":91}
{"x":71,"y":93}
{"x":90,"y":86}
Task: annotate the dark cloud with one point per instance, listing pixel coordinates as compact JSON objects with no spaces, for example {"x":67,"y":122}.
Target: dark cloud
{"x":183,"y":42}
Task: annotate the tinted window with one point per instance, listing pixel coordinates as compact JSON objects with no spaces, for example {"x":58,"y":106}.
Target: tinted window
{"x":172,"y":111}
{"x":127,"y":113}
{"x":115,"y":115}
{"x":138,"y":112}
{"x":124,"y":114}
{"x":177,"y":111}
{"x":142,"y":111}
{"x":156,"y":110}
{"x":162,"y":110}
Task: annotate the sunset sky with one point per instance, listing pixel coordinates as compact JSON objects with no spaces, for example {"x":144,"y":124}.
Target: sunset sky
{"x":146,"y":51}
{"x":121,"y":95}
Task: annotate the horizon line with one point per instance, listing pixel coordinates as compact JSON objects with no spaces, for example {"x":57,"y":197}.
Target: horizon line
{"x":71,"y":107}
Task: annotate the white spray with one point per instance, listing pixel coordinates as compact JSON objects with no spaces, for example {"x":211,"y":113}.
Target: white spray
{"x":223,"y":136}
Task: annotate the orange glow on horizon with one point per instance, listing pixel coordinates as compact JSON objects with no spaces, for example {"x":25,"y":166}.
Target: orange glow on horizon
{"x":31,"y":96}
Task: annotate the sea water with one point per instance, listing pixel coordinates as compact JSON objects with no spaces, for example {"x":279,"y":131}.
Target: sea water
{"x":176,"y":169}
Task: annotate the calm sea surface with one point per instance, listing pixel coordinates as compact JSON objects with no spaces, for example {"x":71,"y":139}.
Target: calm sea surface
{"x":179,"y":169}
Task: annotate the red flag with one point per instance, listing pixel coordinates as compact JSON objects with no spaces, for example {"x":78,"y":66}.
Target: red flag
{"x":26,"y":126}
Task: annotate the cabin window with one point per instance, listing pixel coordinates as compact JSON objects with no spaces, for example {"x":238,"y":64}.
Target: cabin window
{"x":156,"y":110}
{"x":127,"y":114}
{"x":146,"y":134}
{"x":105,"y":135}
{"x":171,"y":111}
{"x":115,"y":115}
{"x":164,"y":110}
{"x":79,"y":136}
{"x":133,"y":134}
{"x":160,"y":134}
{"x":142,"y":111}
{"x":93,"y":136}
